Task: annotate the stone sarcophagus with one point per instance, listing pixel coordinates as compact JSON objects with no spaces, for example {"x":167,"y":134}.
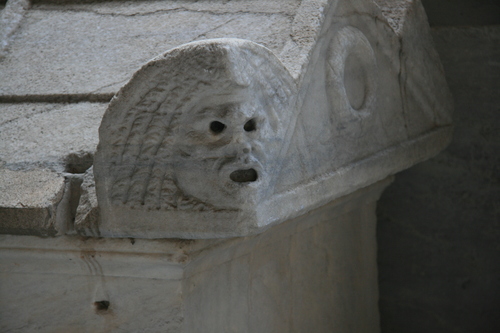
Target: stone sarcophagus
{"x":220,"y":138}
{"x":232,"y":184}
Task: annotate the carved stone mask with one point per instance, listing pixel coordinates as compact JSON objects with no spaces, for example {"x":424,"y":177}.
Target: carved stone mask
{"x":224,"y":148}
{"x":199,"y":128}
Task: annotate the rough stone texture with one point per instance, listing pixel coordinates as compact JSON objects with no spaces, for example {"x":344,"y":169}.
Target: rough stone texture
{"x":193,"y":143}
{"x":62,"y":137}
{"x":87,"y":213}
{"x":352,"y":62}
{"x":439,"y":222}
{"x":29,"y":201}
{"x":395,"y":11}
{"x":10,"y":18}
{"x":371,"y":101}
{"x":314,"y":273}
{"x":109,"y":41}
{"x":43,"y":149}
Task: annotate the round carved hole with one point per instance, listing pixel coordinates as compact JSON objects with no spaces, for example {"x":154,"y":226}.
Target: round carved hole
{"x":355,"y":81}
{"x":250,"y":125}
{"x":217,"y":127}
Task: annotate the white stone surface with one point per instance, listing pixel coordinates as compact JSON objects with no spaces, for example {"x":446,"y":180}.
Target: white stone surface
{"x":10,"y":19}
{"x":345,"y":94}
{"x":196,"y":132}
{"x":109,"y":41}
{"x":371,"y":101}
{"x":314,"y":273}
{"x":42,"y":147}
{"x":52,"y":285}
{"x":29,"y":201}
{"x":56,"y":136}
{"x":360,"y":96}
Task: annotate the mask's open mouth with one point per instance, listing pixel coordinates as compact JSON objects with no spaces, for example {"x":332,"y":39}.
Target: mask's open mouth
{"x":242,"y":176}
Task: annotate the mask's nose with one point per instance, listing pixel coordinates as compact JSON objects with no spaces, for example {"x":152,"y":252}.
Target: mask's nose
{"x":241,"y":148}
{"x":243,"y":152}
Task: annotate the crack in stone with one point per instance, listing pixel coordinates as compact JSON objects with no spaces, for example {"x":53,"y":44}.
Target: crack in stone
{"x":161,"y":11}
{"x":213,"y":29}
{"x":93,"y":92}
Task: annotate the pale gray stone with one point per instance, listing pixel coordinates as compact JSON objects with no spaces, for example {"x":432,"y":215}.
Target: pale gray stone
{"x":62,"y":285}
{"x":204,"y":136}
{"x":109,"y":41}
{"x":29,"y":200}
{"x":62,"y":137}
{"x":350,"y":110}
{"x":43,"y":149}
{"x":313,"y":273}
{"x":10,"y":19}
{"x":87,"y":213}
{"x":395,"y":11}
{"x":282,"y":138}
{"x":370,"y":101}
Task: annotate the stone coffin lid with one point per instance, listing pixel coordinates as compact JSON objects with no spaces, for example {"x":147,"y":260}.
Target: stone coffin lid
{"x":217,"y":139}
{"x":222,"y":137}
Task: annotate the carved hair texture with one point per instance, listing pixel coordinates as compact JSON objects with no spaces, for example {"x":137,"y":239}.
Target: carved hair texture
{"x":140,"y":129}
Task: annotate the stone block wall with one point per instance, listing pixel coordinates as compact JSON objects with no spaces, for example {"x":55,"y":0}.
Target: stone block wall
{"x":439,"y":223}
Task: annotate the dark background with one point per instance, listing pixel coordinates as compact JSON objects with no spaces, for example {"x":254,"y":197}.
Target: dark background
{"x":439,"y":222}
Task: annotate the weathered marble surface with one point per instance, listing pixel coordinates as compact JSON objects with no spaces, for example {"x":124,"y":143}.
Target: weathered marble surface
{"x":197,"y":134}
{"x":111,"y":40}
{"x":11,"y":16}
{"x":87,"y":213}
{"x":313,"y":273}
{"x":29,"y":201}
{"x":176,"y":158}
{"x":52,"y":285}
{"x":44,"y":149}
{"x":60,"y":137}
{"x":361,"y":96}
{"x":323,"y":99}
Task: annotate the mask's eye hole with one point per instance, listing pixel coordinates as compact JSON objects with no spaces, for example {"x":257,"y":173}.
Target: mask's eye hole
{"x":217,"y":127}
{"x":250,"y":125}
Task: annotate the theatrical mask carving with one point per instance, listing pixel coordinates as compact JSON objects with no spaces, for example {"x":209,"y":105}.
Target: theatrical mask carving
{"x":224,"y":142}
{"x":199,"y":128}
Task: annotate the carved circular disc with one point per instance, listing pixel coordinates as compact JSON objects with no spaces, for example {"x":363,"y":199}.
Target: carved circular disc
{"x":351,"y":72}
